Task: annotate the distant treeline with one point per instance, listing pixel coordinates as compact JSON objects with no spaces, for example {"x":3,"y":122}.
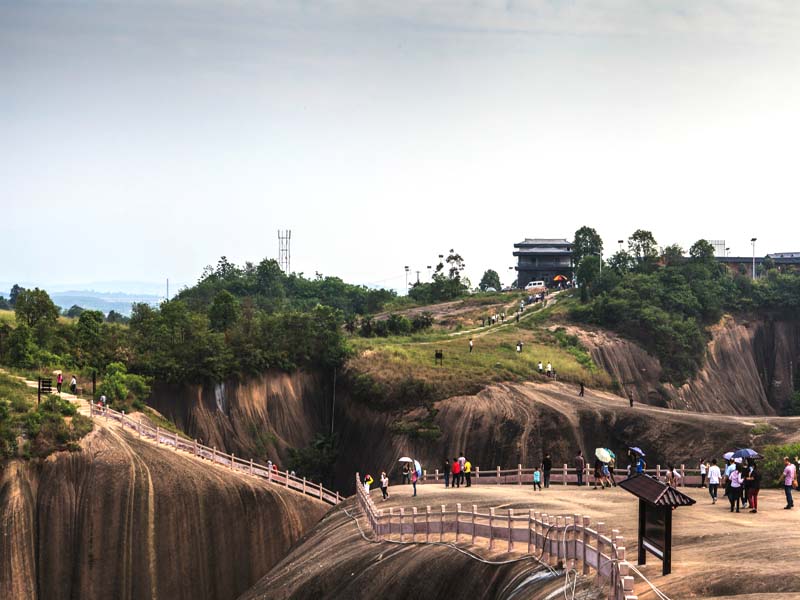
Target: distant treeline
{"x":664,"y":299}
{"x":235,"y":321}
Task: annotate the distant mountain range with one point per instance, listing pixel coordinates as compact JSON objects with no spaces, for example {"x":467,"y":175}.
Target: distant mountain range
{"x":102,"y":301}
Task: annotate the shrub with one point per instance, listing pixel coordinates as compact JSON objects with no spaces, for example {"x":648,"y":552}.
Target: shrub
{"x":772,"y":465}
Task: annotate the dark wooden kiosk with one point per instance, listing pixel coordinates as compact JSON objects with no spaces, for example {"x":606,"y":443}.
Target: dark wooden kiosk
{"x":657,"y":500}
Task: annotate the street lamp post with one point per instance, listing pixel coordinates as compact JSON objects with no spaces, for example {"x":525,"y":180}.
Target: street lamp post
{"x":406,"y":280}
{"x":620,"y":244}
{"x":753,"y":241}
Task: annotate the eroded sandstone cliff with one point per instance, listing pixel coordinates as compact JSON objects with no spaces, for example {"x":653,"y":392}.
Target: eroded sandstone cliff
{"x":126,"y":519}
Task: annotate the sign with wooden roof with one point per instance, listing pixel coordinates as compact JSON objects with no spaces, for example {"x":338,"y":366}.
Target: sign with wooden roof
{"x":655,"y":492}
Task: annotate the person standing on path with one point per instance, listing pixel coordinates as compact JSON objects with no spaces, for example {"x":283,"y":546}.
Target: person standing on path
{"x":471,"y":344}
{"x":384,"y":486}
{"x":735,"y":490}
{"x":368,"y":480}
{"x":59,"y":382}
{"x":455,"y":473}
{"x":714,"y":476}
{"x":547,"y":466}
{"x":581,"y":392}
{"x":541,"y":368}
{"x":752,"y":485}
{"x":580,"y":465}
{"x":405,"y":474}
{"x":73,"y":386}
{"x":537,"y":480}
{"x":549,"y":369}
{"x":446,"y":472}
{"x":414,"y":478}
{"x":703,"y":471}
{"x":789,"y":481}
{"x":468,"y":472}
{"x":462,"y":461}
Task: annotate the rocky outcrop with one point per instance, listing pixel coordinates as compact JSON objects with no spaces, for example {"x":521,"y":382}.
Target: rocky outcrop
{"x":126,"y":519}
{"x":335,"y":562}
{"x":748,"y":368}
{"x":259,"y":417}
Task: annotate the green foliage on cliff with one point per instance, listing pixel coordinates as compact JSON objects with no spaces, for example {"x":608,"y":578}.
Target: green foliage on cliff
{"x":666,"y":304}
{"x":51,"y":426}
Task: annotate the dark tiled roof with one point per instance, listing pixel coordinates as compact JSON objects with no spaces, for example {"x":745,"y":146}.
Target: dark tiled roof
{"x":654,"y":491}
{"x":543,"y":242}
{"x":542,"y":250}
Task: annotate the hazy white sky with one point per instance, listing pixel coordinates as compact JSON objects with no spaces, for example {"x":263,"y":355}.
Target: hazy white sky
{"x":142,"y":140}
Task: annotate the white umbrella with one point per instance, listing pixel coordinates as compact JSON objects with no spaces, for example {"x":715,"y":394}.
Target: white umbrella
{"x":603,"y":455}
{"x":405,"y":459}
{"x":418,"y":468}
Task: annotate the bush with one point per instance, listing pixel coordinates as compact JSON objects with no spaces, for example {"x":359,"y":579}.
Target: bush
{"x":772,"y":465}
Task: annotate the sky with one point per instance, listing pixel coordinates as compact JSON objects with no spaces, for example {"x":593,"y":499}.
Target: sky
{"x":141,"y":141}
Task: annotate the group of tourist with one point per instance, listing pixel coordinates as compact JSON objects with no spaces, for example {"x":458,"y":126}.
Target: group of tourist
{"x":457,"y":472}
{"x":73,"y":383}
{"x":548,"y":370}
{"x":741,"y":481}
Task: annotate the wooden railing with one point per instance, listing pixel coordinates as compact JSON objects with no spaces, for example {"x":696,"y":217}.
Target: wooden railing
{"x":568,"y":540}
{"x":273,"y":475}
{"x":562,"y":475}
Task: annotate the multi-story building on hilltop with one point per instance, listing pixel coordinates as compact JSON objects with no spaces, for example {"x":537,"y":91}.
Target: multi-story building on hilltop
{"x":548,"y":260}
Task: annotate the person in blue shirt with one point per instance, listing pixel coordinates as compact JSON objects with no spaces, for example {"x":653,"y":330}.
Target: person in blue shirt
{"x":640,"y":465}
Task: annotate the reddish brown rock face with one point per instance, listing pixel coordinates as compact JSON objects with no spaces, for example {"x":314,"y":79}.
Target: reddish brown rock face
{"x":126,"y":519}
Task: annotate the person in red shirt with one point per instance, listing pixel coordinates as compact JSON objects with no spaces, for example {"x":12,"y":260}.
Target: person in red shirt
{"x":456,"y":472}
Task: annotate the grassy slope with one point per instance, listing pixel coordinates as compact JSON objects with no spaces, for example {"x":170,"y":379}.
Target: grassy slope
{"x":8,"y":316}
{"x":396,"y":360}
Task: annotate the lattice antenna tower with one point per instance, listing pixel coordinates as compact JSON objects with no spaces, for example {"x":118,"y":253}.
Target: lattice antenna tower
{"x":719,"y":247}
{"x":284,"y":250}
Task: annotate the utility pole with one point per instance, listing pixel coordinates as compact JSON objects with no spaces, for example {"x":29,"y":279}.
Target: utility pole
{"x":284,"y":250}
{"x":753,"y":241}
{"x":167,"y":289}
{"x":407,"y":269}
{"x":417,"y":277}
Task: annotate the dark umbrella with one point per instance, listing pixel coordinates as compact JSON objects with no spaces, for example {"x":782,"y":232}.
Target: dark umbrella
{"x":746,"y":453}
{"x":637,"y":450}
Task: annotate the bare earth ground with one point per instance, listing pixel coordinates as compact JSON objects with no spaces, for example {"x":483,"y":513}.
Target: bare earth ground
{"x":716,"y":553}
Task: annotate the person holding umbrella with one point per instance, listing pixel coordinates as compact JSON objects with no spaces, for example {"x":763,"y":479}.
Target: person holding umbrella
{"x":752,"y":485}
{"x":637,"y":457}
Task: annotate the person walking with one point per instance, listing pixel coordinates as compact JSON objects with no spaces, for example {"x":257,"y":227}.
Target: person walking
{"x":414,"y":478}
{"x":537,"y":480}
{"x":641,"y":465}
{"x":714,"y":475}
{"x":703,"y":471}
{"x":368,"y":480}
{"x":735,"y":489}
{"x":752,"y":485}
{"x":59,"y":381}
{"x":549,"y":369}
{"x":446,"y":472}
{"x":455,"y":473}
{"x":789,"y":481}
{"x":471,"y":344}
{"x":580,"y":465}
{"x":462,"y":461}
{"x":547,"y":466}
{"x":541,"y":368}
{"x":468,"y":472}
{"x":598,"y":473}
{"x":611,"y":466}
{"x":580,"y":394}
{"x":384,"y":486}
{"x":73,"y":386}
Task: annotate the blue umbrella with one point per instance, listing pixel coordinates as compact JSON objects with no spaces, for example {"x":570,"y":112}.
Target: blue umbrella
{"x":611,"y":453}
{"x":746,"y":453}
{"x":637,"y":450}
{"x":727,"y":455}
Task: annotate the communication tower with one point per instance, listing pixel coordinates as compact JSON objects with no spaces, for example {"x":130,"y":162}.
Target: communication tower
{"x":284,"y":250}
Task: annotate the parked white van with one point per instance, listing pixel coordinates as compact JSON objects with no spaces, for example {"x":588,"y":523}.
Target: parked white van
{"x":533,"y":285}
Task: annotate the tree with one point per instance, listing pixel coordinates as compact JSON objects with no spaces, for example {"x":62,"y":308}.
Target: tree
{"x":89,"y":337}
{"x":587,"y":274}
{"x":621,"y":262}
{"x":12,"y":297}
{"x":224,"y":311}
{"x":4,"y":304}
{"x":587,"y":241}
{"x":702,"y":251}
{"x":642,"y":245}
{"x":490,"y":279}
{"x":34,"y":307}
{"x":673,"y":255}
{"x":74,"y":311}
{"x":21,"y":349}
{"x":115,"y":317}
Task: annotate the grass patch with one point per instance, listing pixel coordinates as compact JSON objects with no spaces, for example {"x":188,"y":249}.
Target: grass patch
{"x":761,"y":429}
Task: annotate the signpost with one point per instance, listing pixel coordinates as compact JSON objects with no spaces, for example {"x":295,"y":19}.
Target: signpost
{"x":45,"y":387}
{"x":657,"y":500}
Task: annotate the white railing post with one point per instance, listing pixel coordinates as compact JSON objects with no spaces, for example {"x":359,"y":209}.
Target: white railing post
{"x":214,"y":455}
{"x":682,"y":482}
{"x":122,"y":420}
{"x":658,"y":471}
{"x":402,"y":514}
{"x":436,"y":475}
{"x":232,"y":461}
{"x":491,"y":528}
{"x":176,"y":440}
{"x":510,"y":529}
{"x":304,"y":485}
{"x":477,"y":472}
{"x":566,"y":474}
{"x":195,"y":447}
{"x":427,"y":523}
{"x":586,"y":522}
{"x":531,"y":534}
{"x":458,"y":520}
{"x":498,"y":475}
{"x":474,"y":510}
{"x":519,"y":474}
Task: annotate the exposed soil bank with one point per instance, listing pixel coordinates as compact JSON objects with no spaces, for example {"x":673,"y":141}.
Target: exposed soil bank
{"x":125,"y":519}
{"x":748,"y":369}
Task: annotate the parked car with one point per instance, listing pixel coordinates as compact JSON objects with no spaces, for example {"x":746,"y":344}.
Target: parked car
{"x":535,"y":285}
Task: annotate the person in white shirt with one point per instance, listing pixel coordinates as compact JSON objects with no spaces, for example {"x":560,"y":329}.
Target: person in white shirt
{"x":735,"y":493}
{"x":703,"y":472}
{"x":714,"y":476}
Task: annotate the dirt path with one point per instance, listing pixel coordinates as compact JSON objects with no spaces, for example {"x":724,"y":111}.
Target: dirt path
{"x":716,"y":553}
